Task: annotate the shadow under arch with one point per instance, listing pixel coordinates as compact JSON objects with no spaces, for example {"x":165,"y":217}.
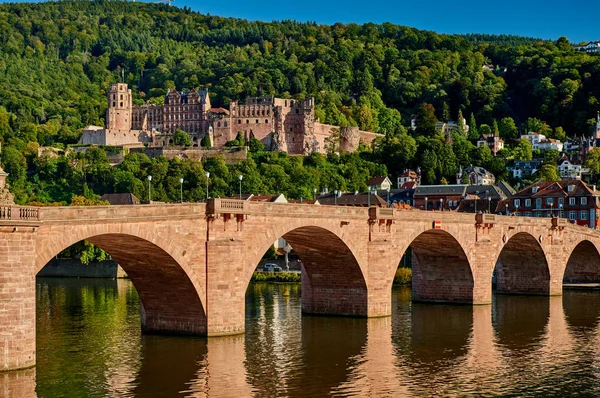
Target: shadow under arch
{"x":522,"y":268}
{"x":583,"y":265}
{"x":170,"y":301}
{"x":332,"y":279}
{"x":440,"y":269}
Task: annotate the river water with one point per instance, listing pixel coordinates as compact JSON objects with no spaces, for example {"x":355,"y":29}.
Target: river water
{"x":90,"y":345}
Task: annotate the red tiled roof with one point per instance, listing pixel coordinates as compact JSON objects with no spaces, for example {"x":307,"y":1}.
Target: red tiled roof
{"x":219,"y":110}
{"x":376,"y":180}
{"x":409,"y":185}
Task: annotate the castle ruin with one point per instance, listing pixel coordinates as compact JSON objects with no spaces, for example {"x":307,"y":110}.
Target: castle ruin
{"x":280,"y":124}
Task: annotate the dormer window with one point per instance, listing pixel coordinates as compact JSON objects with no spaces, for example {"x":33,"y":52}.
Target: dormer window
{"x":571,"y":188}
{"x":534,"y":189}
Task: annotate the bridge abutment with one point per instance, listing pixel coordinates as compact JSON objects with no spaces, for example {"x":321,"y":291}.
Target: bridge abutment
{"x":17,"y":297}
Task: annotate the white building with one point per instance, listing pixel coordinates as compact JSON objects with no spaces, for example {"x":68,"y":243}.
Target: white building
{"x":533,"y":138}
{"x":570,"y":171}
{"x":592,"y":47}
{"x":541,"y":142}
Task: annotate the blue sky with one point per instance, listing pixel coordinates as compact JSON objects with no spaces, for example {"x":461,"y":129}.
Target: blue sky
{"x":548,"y":19}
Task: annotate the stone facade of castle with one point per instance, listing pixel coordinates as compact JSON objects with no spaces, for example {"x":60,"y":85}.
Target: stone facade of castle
{"x":280,"y":124}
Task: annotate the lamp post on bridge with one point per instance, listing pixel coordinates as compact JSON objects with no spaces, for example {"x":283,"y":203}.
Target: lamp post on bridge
{"x":315,"y":194}
{"x":369,"y":197}
{"x":552,"y":210}
{"x":441,"y":204}
{"x":425,"y":203}
{"x":476,"y":195}
{"x":149,"y":189}
{"x":560,"y":207}
{"x":240,"y":177}
{"x":181,"y":190}
{"x":388,"y":196}
{"x":506,"y":206}
{"x":489,"y":205}
{"x":335,"y":193}
{"x":517,"y":210}
{"x":207,"y":177}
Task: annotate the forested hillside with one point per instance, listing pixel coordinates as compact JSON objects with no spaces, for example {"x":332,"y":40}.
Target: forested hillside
{"x":57,"y":60}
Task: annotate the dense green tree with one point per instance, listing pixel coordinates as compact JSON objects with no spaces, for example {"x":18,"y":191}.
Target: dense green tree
{"x":523,"y":150}
{"x":549,"y":172}
{"x":509,"y":131}
{"x":426,"y":120}
{"x":181,"y":138}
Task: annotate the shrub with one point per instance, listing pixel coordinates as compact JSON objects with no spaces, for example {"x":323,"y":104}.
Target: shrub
{"x":281,"y":277}
{"x":403,"y":277}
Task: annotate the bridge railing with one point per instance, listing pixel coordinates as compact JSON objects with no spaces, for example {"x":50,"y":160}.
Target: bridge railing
{"x":19,"y":213}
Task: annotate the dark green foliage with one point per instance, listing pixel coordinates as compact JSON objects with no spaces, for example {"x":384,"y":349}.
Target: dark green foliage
{"x":58,"y":59}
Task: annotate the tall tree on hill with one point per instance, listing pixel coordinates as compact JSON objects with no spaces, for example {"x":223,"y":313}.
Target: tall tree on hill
{"x":426,"y":120}
{"x":473,"y":131}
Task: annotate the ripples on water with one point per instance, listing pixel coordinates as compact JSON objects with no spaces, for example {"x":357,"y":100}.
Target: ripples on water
{"x":89,"y":345}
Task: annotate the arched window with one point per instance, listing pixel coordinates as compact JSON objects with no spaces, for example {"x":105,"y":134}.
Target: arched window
{"x":266,"y":121}
{"x":225,"y":124}
{"x":256,"y":121}
{"x":218,"y":124}
{"x":239,"y":121}
{"x":247,"y":121}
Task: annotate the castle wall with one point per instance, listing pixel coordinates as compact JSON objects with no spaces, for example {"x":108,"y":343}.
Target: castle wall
{"x":232,"y":155}
{"x":114,"y":137}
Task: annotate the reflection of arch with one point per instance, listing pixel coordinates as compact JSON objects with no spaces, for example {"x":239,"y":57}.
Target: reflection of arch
{"x":441,"y":270}
{"x":520,"y":322}
{"x":439,"y":333}
{"x":170,"y":295}
{"x":522,"y":267}
{"x":583,"y":265}
{"x":169,"y":365}
{"x":582,"y":310}
{"x":332,"y":279}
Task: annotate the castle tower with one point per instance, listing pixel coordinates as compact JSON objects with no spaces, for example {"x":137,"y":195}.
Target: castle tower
{"x":118,"y":115}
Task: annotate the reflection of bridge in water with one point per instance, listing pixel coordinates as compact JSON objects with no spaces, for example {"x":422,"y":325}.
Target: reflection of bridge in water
{"x":474,"y":351}
{"x":191,"y":263}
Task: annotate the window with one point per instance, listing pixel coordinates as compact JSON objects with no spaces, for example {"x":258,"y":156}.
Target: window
{"x":297,"y":111}
{"x":572,"y":201}
{"x":561,"y":201}
{"x":538,"y":203}
{"x":584,"y":201}
{"x":517,"y":202}
{"x":571,"y":188}
{"x":534,"y":189}
{"x":527,"y":214}
{"x":256,"y":121}
{"x":583,"y":215}
{"x":266,"y":121}
{"x":550,"y":201}
{"x":239,"y":121}
{"x":572,"y":215}
{"x":225,"y":124}
{"x":247,"y":121}
{"x":121,"y":104}
{"x":538,"y":214}
{"x":527,"y":202}
{"x":218,"y":124}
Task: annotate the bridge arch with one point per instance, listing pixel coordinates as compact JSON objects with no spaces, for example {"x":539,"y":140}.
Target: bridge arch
{"x":583,"y":265}
{"x":171,"y":297}
{"x":522,"y":267}
{"x":333,"y":278}
{"x":440,"y":268}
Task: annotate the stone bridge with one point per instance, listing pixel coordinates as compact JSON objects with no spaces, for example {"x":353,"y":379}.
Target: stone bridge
{"x":191,"y":263}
